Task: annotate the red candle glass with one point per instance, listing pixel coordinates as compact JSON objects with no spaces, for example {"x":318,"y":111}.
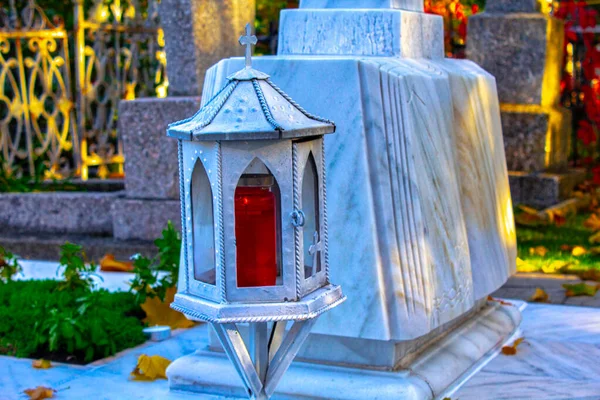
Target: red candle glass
{"x":256,"y":236}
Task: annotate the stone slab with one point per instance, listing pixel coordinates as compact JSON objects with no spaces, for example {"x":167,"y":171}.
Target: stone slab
{"x":557,"y":360}
{"x":543,"y":189}
{"x":509,"y":6}
{"x":151,"y":162}
{"x":370,"y":32}
{"x":441,"y":365}
{"x":535,"y":141}
{"x":514,"y":48}
{"x":411,"y":5}
{"x":137,"y":219}
{"x":198,"y":33}
{"x":523,"y":285}
{"x":47,"y":247}
{"x":76,"y":213}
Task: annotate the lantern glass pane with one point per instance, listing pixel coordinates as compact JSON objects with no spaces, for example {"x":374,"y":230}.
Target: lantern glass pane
{"x":202,"y":226}
{"x":258,"y":227}
{"x":311,"y":229}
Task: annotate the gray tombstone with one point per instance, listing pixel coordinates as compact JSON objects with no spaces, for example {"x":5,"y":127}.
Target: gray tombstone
{"x":522,"y":48}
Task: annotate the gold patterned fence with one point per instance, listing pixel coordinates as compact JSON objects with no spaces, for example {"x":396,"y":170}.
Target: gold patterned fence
{"x":64,"y":123}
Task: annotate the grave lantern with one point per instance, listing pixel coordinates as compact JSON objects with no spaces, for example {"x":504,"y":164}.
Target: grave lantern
{"x":253,"y":201}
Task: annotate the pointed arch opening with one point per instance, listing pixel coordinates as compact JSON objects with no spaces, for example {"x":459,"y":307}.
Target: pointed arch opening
{"x":310,"y":207}
{"x":258,"y":227}
{"x":203,"y":232}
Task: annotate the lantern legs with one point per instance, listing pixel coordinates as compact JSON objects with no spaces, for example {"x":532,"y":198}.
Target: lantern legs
{"x":270,"y":355}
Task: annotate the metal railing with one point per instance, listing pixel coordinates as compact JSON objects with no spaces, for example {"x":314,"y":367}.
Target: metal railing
{"x":64,"y":124}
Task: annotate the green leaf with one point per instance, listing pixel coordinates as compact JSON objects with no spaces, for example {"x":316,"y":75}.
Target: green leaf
{"x":580,"y":289}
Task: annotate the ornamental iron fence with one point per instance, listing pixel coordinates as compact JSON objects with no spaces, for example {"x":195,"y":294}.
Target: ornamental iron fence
{"x":65,"y":124}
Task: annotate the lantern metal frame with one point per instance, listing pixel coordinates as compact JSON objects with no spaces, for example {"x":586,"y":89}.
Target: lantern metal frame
{"x":249,"y":119}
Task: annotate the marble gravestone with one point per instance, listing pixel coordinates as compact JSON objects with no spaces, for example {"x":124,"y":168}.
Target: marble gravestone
{"x":420,"y":214}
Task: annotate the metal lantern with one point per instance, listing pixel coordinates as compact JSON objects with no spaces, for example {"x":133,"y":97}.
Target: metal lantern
{"x":253,"y":201}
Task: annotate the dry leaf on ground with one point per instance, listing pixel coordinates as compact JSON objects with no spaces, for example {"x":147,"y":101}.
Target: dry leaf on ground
{"x":150,"y":368}
{"x":593,"y":222}
{"x":160,"y":313}
{"x":578,"y":251}
{"x":566,"y":247}
{"x":40,"y":393}
{"x":504,"y":303}
{"x":555,"y":266}
{"x":557,"y":217}
{"x":540,"y":296}
{"x":588,"y":275}
{"x":524,"y":266}
{"x":595,"y":238}
{"x":109,"y":264}
{"x":41,"y":364}
{"x":595,"y":251}
{"x":580,"y":289}
{"x":527,"y":219}
{"x":538,"y":251}
{"x":512,"y":349}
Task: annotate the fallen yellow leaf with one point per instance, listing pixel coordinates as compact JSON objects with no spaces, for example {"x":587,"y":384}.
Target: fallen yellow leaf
{"x":528,"y":210}
{"x":40,"y":393}
{"x":109,"y":264}
{"x":41,"y":364}
{"x":512,"y":349}
{"x":160,"y":313}
{"x":540,"y":296}
{"x":539,"y":251}
{"x":555,"y":266}
{"x":578,"y":251}
{"x":595,"y":238}
{"x":580,"y":289}
{"x":593,"y":222}
{"x":150,"y":368}
{"x":524,"y":266}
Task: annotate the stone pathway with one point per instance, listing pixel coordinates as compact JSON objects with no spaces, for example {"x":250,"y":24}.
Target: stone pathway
{"x":522,"y":286}
{"x":558,"y":360}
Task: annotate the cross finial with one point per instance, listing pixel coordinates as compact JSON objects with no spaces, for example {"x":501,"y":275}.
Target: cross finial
{"x":248,"y":40}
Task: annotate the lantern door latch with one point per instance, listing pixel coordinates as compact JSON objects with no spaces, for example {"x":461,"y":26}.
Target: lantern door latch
{"x":298,"y":218}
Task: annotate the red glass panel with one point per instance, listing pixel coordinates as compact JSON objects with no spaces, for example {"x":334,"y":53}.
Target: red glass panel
{"x":256,"y":240}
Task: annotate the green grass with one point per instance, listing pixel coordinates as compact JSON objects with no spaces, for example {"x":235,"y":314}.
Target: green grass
{"x":552,"y":237}
{"x":39,"y":321}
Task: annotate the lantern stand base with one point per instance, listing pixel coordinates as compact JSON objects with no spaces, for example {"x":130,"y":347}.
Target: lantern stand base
{"x":262,"y":365}
{"x":434,"y":373}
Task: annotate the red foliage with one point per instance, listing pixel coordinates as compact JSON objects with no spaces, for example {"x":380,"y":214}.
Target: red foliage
{"x":455,"y":16}
{"x":586,"y":133}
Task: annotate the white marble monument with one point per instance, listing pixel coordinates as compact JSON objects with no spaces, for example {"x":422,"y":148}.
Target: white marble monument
{"x":420,"y":217}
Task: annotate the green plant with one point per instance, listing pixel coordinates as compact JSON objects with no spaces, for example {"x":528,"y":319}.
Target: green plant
{"x":76,"y":274}
{"x":9,"y":265}
{"x":38,"y":320}
{"x":146,"y":282}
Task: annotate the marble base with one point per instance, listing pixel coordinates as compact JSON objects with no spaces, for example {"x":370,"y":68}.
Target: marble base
{"x":435,"y":370}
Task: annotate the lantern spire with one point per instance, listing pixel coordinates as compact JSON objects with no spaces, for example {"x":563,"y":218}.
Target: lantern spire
{"x":248,"y":40}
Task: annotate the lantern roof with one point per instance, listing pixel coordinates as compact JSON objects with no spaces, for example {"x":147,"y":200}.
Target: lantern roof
{"x":250,"y":107}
